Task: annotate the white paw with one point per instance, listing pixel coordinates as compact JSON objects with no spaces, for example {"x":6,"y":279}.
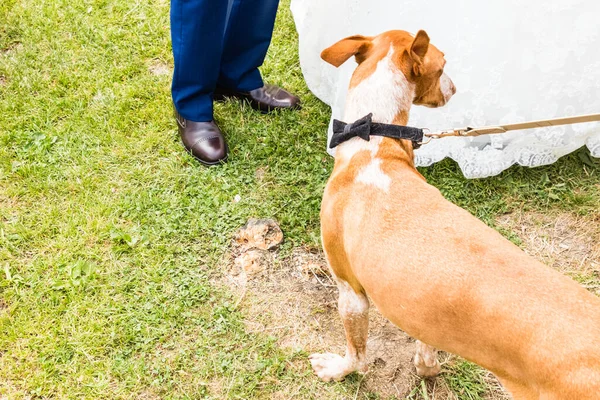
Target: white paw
{"x":329,"y":366}
{"x":429,"y":372}
{"x":425,"y":370}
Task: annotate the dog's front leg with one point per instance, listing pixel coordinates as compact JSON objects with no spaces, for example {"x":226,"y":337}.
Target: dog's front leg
{"x":354,"y":310}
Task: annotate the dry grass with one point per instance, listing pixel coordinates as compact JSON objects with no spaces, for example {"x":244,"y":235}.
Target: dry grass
{"x":567,"y":242}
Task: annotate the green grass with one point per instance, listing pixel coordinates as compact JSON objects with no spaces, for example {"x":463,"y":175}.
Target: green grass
{"x":110,"y":233}
{"x":466,"y":380}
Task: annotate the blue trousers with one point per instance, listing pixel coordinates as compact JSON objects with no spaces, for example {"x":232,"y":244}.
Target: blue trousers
{"x":217,"y":43}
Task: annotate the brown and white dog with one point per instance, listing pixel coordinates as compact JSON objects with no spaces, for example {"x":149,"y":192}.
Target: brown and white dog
{"x":430,"y":267}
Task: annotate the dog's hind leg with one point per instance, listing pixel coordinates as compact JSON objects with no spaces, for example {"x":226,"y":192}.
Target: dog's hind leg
{"x":426,"y":360}
{"x":354,"y":309}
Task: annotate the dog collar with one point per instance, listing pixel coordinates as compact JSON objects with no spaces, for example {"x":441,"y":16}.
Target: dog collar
{"x":365,"y":127}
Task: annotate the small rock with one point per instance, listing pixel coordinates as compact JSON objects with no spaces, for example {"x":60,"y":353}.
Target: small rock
{"x":253,"y":262}
{"x":263,"y":234}
{"x":237,"y":198}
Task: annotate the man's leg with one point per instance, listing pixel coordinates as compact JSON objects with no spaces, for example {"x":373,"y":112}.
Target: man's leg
{"x":247,"y":39}
{"x":197,"y":32}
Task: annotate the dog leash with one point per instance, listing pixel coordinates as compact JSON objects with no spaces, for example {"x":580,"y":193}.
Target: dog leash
{"x":486,"y":130}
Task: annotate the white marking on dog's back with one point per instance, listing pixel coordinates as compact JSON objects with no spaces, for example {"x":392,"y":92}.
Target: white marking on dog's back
{"x":372,"y":174}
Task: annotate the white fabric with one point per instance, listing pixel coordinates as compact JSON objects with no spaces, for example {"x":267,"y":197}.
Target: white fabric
{"x":511,"y":61}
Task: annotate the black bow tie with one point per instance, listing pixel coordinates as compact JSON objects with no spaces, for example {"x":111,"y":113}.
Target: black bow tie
{"x":365,"y":127}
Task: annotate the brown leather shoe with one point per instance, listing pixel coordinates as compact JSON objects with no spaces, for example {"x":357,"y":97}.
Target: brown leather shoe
{"x":203,"y":140}
{"x":265,"y":99}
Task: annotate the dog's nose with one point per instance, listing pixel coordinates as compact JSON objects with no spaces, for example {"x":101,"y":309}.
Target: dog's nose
{"x":453,"y":88}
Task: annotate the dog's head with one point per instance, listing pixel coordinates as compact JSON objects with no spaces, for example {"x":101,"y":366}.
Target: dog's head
{"x":421,"y":62}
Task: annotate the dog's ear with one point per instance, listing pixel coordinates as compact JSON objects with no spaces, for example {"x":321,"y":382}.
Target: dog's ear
{"x":356,"y":45}
{"x":418,"y":49}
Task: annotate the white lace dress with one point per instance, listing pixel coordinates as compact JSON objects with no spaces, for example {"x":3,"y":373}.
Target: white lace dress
{"x":511,"y":61}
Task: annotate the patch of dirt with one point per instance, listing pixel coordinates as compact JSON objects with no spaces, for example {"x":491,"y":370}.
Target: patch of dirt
{"x":253,"y":261}
{"x":3,"y":305}
{"x":566,"y":242}
{"x":159,"y":68}
{"x":295,"y":300}
{"x":262,"y":234}
{"x":251,"y":245}
{"x":3,"y":80}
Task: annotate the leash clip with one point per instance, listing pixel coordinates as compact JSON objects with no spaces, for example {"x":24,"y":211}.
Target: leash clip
{"x":426,"y":134}
{"x":465,"y":132}
{"x":446,"y":133}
